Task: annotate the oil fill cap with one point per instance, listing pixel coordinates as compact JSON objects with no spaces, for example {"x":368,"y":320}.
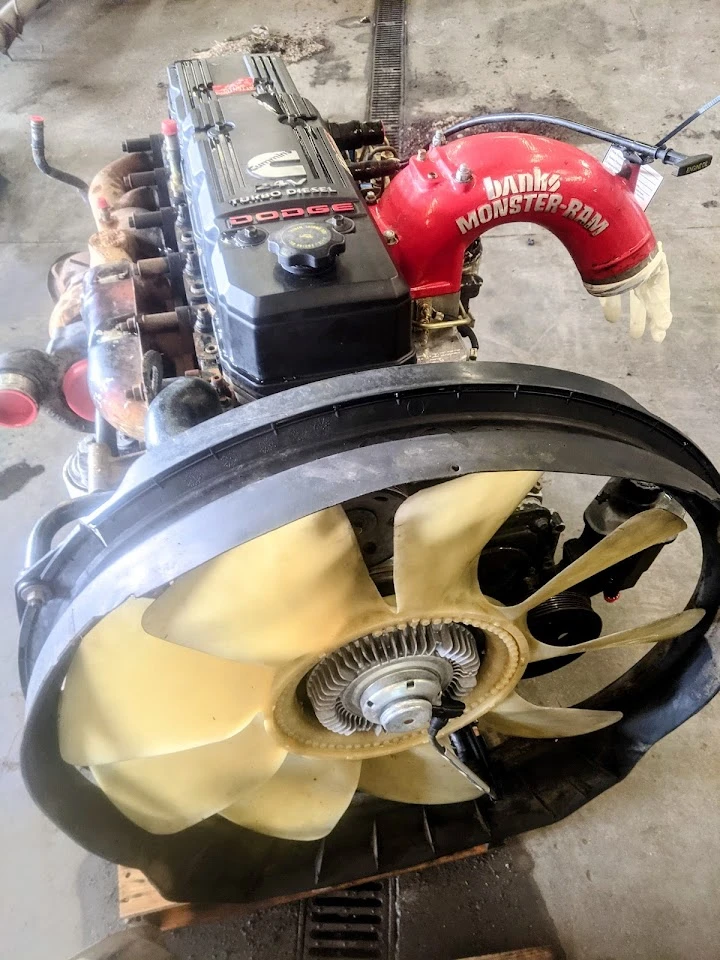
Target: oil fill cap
{"x":307,"y":248}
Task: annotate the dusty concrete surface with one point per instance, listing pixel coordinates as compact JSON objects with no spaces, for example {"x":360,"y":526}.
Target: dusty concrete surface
{"x":633,"y":875}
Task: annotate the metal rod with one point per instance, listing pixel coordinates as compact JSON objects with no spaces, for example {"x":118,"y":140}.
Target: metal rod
{"x":158,"y":322}
{"x":686,"y":123}
{"x":105,"y":433}
{"x":37,"y":144}
{"x":146,"y":178}
{"x":153,"y":267}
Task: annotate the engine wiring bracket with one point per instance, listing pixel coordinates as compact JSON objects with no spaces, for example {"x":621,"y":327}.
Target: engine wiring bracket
{"x":444,"y":711}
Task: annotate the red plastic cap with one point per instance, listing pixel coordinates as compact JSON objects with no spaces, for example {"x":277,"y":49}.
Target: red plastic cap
{"x":17,"y":409}
{"x":102,"y":203}
{"x":76,"y":391}
{"x":36,"y":118}
{"x":169,"y":128}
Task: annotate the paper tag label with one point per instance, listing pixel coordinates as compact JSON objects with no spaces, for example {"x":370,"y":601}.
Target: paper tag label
{"x":648,"y":179}
{"x":241,"y":85}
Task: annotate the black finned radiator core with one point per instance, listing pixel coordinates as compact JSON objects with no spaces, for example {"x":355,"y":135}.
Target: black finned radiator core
{"x":387,"y":69}
{"x":359,"y":923}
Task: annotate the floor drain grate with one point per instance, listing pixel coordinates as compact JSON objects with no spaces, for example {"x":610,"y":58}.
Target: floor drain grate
{"x":354,"y":924}
{"x":387,"y":75}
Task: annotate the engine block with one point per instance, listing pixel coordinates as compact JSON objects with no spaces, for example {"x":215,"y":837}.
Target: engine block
{"x":300,"y":282}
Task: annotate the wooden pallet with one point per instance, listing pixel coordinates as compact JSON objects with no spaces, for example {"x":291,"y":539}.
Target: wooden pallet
{"x":530,"y":953}
{"x":139,"y":899}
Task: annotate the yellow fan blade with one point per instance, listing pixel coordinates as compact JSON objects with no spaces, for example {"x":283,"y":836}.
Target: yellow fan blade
{"x":440,"y":532}
{"x":129,"y":695}
{"x":644,"y":530}
{"x":303,"y":801}
{"x":302,"y":589}
{"x":167,"y":794}
{"x":520,"y":718}
{"x":665,"y":629}
{"x":418,"y":775}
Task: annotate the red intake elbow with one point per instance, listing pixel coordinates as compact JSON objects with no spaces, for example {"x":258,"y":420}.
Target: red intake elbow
{"x":435,"y":213}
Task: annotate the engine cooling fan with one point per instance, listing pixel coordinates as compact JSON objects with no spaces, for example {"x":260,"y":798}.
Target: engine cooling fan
{"x":271,"y":683}
{"x":237,"y":684}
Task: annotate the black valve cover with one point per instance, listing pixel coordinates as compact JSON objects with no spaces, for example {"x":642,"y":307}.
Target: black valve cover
{"x":256,"y":157}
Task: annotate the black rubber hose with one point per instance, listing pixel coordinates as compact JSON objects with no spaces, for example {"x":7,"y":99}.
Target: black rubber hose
{"x":183,"y":403}
{"x":56,"y":408}
{"x":44,"y":373}
{"x":646,"y":151}
{"x":467,"y":331}
{"x":42,"y":534}
{"x":37,"y":143}
{"x":28,"y":621}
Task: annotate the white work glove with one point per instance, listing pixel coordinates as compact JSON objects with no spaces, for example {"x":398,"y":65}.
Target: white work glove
{"x":649,"y":301}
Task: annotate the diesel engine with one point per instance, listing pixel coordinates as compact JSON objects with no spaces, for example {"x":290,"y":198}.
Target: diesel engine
{"x":251,"y":246}
{"x":275,"y":639}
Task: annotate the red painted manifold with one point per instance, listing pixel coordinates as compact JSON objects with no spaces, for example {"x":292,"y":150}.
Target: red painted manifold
{"x":435,"y":214}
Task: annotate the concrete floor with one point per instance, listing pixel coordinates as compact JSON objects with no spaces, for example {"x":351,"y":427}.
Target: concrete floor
{"x":634,"y":875}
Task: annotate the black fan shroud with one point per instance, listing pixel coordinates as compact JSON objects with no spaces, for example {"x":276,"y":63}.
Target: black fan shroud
{"x":283,"y":457}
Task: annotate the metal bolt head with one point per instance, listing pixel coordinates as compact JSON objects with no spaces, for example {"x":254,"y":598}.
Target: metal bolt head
{"x":422,"y":154}
{"x":371,"y":196}
{"x":463,"y":174}
{"x":132,"y":324}
{"x":438,"y":138}
{"x":249,"y":236}
{"x":411,"y":714}
{"x":341,"y":224}
{"x":390,"y":236}
{"x":203,"y":319}
{"x":196,"y":288}
{"x":35,"y":592}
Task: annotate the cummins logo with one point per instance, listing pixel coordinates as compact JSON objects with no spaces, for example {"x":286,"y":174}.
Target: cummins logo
{"x":280,"y":167}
